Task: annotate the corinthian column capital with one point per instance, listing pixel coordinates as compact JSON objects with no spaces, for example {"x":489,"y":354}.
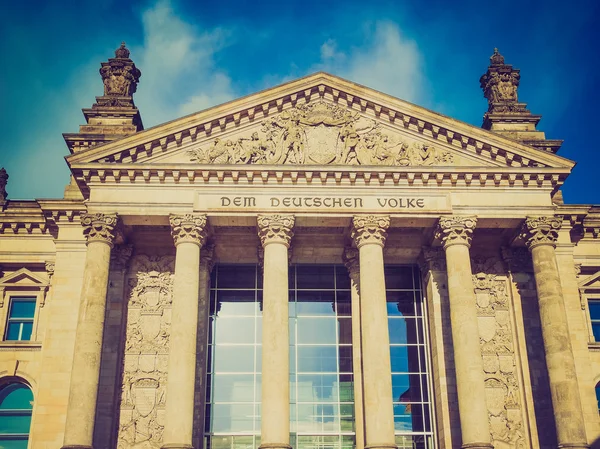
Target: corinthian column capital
{"x":276,"y":228}
{"x":370,"y":229}
{"x":99,"y":227}
{"x":456,"y":230}
{"x":543,"y":230}
{"x":189,"y":228}
{"x":352,"y":262}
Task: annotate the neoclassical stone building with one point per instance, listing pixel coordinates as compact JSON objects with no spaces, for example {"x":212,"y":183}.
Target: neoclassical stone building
{"x":318,"y":265}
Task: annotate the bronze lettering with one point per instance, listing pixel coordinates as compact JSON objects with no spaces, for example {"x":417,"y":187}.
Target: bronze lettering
{"x":421,"y":203}
{"x":318,"y":202}
{"x":325,"y":200}
{"x":337,"y":201}
{"x":249,"y":201}
{"x":297,"y":201}
{"x":237,"y":201}
{"x":286,"y":202}
{"x":382,"y":204}
{"x":306,"y":202}
{"x":274,"y":202}
{"x":225,"y":201}
{"x":394,"y":203}
{"x":358,"y":202}
{"x":410,"y":202}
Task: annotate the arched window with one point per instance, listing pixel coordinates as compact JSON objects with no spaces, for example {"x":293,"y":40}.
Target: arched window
{"x":16,"y":402}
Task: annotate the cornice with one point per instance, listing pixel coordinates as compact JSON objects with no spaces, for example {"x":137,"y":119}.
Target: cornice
{"x":420,"y":121}
{"x":39,"y":217}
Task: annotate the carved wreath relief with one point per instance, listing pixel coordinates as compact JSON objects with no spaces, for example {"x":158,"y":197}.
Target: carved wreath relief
{"x":503,"y":393}
{"x":141,"y":421}
{"x":320,"y":133}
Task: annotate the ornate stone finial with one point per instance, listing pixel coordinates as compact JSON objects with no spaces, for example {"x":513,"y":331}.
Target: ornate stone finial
{"x":496,"y":58}
{"x":120,"y":255}
{"x":368,"y":229}
{"x":3,"y":182}
{"x":543,"y":230}
{"x":122,"y":52}
{"x":49,"y":266}
{"x":120,"y":75}
{"x":275,"y":228}
{"x":500,"y":84}
{"x":352,"y":262}
{"x":456,"y":230}
{"x":99,"y":227}
{"x":190,"y":228}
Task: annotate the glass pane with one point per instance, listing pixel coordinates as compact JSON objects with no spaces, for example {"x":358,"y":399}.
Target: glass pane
{"x":398,"y":277}
{"x":344,"y":303}
{"x":399,"y":359}
{"x":235,"y":359}
{"x":317,"y":418}
{"x":16,"y":396}
{"x":233,"y":417}
{"x":346,"y":388}
{"x":345,"y":331}
{"x":595,"y":330}
{"x":406,"y":387}
{"x":315,"y":303}
{"x":22,"y":308}
{"x":236,"y":276}
{"x":317,"y":388}
{"x":12,"y":332}
{"x":345,"y":359}
{"x":234,"y":330}
{"x":594,"y":307}
{"x":26,"y":332}
{"x":342,"y":278}
{"x":15,"y":423}
{"x":316,"y":330}
{"x":347,"y":417}
{"x":403,"y":417}
{"x":232,"y":302}
{"x":317,"y":359}
{"x":315,"y":277}
{"x":233,"y":388}
{"x":400,"y":303}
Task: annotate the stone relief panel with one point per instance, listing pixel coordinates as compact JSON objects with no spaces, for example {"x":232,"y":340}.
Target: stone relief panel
{"x":504,"y":395}
{"x":320,"y":133}
{"x":141,"y":420}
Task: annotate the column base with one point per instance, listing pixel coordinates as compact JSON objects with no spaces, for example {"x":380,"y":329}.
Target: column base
{"x":274,"y":446}
{"x":177,"y":446}
{"x":381,"y":446}
{"x":477,"y":446}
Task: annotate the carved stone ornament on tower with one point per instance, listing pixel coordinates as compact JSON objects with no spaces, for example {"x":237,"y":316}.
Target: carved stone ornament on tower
{"x":119,"y":74}
{"x":146,"y":353}
{"x":275,"y":228}
{"x":541,"y":230}
{"x":500,"y":84}
{"x":320,"y":133}
{"x":3,"y":182}
{"x":368,"y":229}
{"x":456,"y":230}
{"x":99,"y":227}
{"x":188,"y":228}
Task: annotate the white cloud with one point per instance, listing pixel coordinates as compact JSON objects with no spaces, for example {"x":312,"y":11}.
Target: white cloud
{"x":178,"y":70}
{"x":387,"y":61}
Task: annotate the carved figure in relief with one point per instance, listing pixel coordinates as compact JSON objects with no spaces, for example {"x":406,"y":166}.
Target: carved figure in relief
{"x":320,"y":133}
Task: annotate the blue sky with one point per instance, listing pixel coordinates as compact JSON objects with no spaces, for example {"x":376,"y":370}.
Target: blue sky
{"x":195,"y":54}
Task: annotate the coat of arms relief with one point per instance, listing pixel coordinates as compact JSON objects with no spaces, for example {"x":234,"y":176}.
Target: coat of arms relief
{"x":320,"y":133}
{"x":141,"y":419}
{"x":502,"y":386}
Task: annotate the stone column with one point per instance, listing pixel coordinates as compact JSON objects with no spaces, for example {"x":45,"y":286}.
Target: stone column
{"x":540,"y":234}
{"x":206,"y":266}
{"x":85,"y":374}
{"x":455,"y":234}
{"x":369,"y":234}
{"x":189,"y":233}
{"x":275,"y":232}
{"x":352,"y":264}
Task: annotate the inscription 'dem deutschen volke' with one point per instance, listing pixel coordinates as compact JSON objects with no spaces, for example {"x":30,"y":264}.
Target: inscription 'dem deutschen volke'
{"x":307,"y":202}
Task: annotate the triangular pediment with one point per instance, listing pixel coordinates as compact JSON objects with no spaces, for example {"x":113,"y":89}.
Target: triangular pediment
{"x":23,"y":278}
{"x":591,"y":282}
{"x":319,"y":120}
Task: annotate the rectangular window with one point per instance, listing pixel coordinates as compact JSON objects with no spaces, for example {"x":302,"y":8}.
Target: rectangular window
{"x":20,"y":318}
{"x":594,"y":307}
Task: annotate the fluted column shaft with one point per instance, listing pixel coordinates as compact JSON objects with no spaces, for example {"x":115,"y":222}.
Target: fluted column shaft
{"x":352,"y":263}
{"x":189,"y":233}
{"x":369,"y":234}
{"x":85,"y":374}
{"x":275,"y":232}
{"x":456,"y":233}
{"x":540,"y":234}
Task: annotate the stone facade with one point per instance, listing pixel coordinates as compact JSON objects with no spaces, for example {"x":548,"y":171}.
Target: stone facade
{"x":318,"y":170}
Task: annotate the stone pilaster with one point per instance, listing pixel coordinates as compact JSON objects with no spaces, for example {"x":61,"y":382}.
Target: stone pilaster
{"x":99,"y":230}
{"x":456,"y":234}
{"x":275,"y":232}
{"x":189,"y":233}
{"x":352,"y":263}
{"x":369,"y":233}
{"x":540,"y":234}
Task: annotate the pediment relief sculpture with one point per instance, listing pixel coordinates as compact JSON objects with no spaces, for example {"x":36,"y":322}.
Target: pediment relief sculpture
{"x":320,"y":133}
